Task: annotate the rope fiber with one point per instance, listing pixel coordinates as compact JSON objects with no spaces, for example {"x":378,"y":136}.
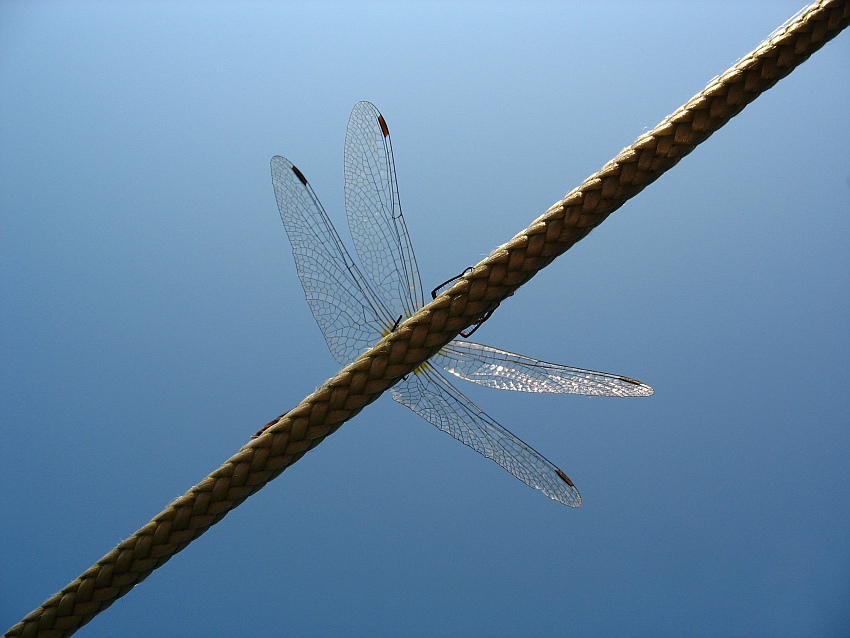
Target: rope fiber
{"x":286,"y":439}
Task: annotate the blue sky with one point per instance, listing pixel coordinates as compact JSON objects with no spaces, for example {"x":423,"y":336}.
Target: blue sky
{"x":151,"y":319}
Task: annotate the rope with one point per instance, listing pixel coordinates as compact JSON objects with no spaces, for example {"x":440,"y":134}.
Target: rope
{"x":289,"y":437}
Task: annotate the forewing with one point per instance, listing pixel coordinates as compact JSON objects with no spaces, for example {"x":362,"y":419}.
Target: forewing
{"x":350,"y":315}
{"x":374,"y":212}
{"x":504,"y":370}
{"x":432,"y":397}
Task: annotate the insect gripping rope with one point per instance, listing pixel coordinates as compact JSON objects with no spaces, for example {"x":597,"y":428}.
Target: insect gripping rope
{"x":430,"y":328}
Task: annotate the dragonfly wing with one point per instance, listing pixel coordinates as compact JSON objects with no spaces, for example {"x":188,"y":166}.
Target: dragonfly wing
{"x":504,"y":370}
{"x":374,"y":212}
{"x":432,"y":397}
{"x":349,"y":313}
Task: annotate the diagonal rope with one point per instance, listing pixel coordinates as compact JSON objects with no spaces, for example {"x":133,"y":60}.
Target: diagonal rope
{"x":292,"y":435}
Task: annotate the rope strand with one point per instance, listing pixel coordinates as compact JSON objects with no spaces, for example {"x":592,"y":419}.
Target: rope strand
{"x":292,"y":435}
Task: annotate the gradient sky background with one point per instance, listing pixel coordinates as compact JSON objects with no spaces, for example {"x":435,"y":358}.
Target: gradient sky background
{"x":151,"y":320}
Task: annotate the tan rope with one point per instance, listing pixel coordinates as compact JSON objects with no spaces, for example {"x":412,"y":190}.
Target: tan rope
{"x":290,"y":436}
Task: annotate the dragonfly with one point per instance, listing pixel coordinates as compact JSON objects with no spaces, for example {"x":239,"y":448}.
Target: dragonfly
{"x":357,"y":305}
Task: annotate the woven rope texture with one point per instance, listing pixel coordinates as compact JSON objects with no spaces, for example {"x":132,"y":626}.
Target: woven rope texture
{"x":292,"y":435}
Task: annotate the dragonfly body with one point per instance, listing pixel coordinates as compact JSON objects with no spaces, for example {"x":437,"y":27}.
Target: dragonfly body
{"x":355,"y":307}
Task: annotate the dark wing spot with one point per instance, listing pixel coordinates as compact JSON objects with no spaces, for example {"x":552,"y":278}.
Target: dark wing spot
{"x":565,"y":478}
{"x":299,"y":174}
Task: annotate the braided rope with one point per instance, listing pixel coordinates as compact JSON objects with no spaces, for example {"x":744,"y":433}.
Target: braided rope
{"x":289,"y":437}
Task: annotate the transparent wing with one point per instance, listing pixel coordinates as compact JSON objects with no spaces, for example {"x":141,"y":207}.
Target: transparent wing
{"x":350,"y":314}
{"x":432,"y":397}
{"x":374,"y":212}
{"x":504,"y":370}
